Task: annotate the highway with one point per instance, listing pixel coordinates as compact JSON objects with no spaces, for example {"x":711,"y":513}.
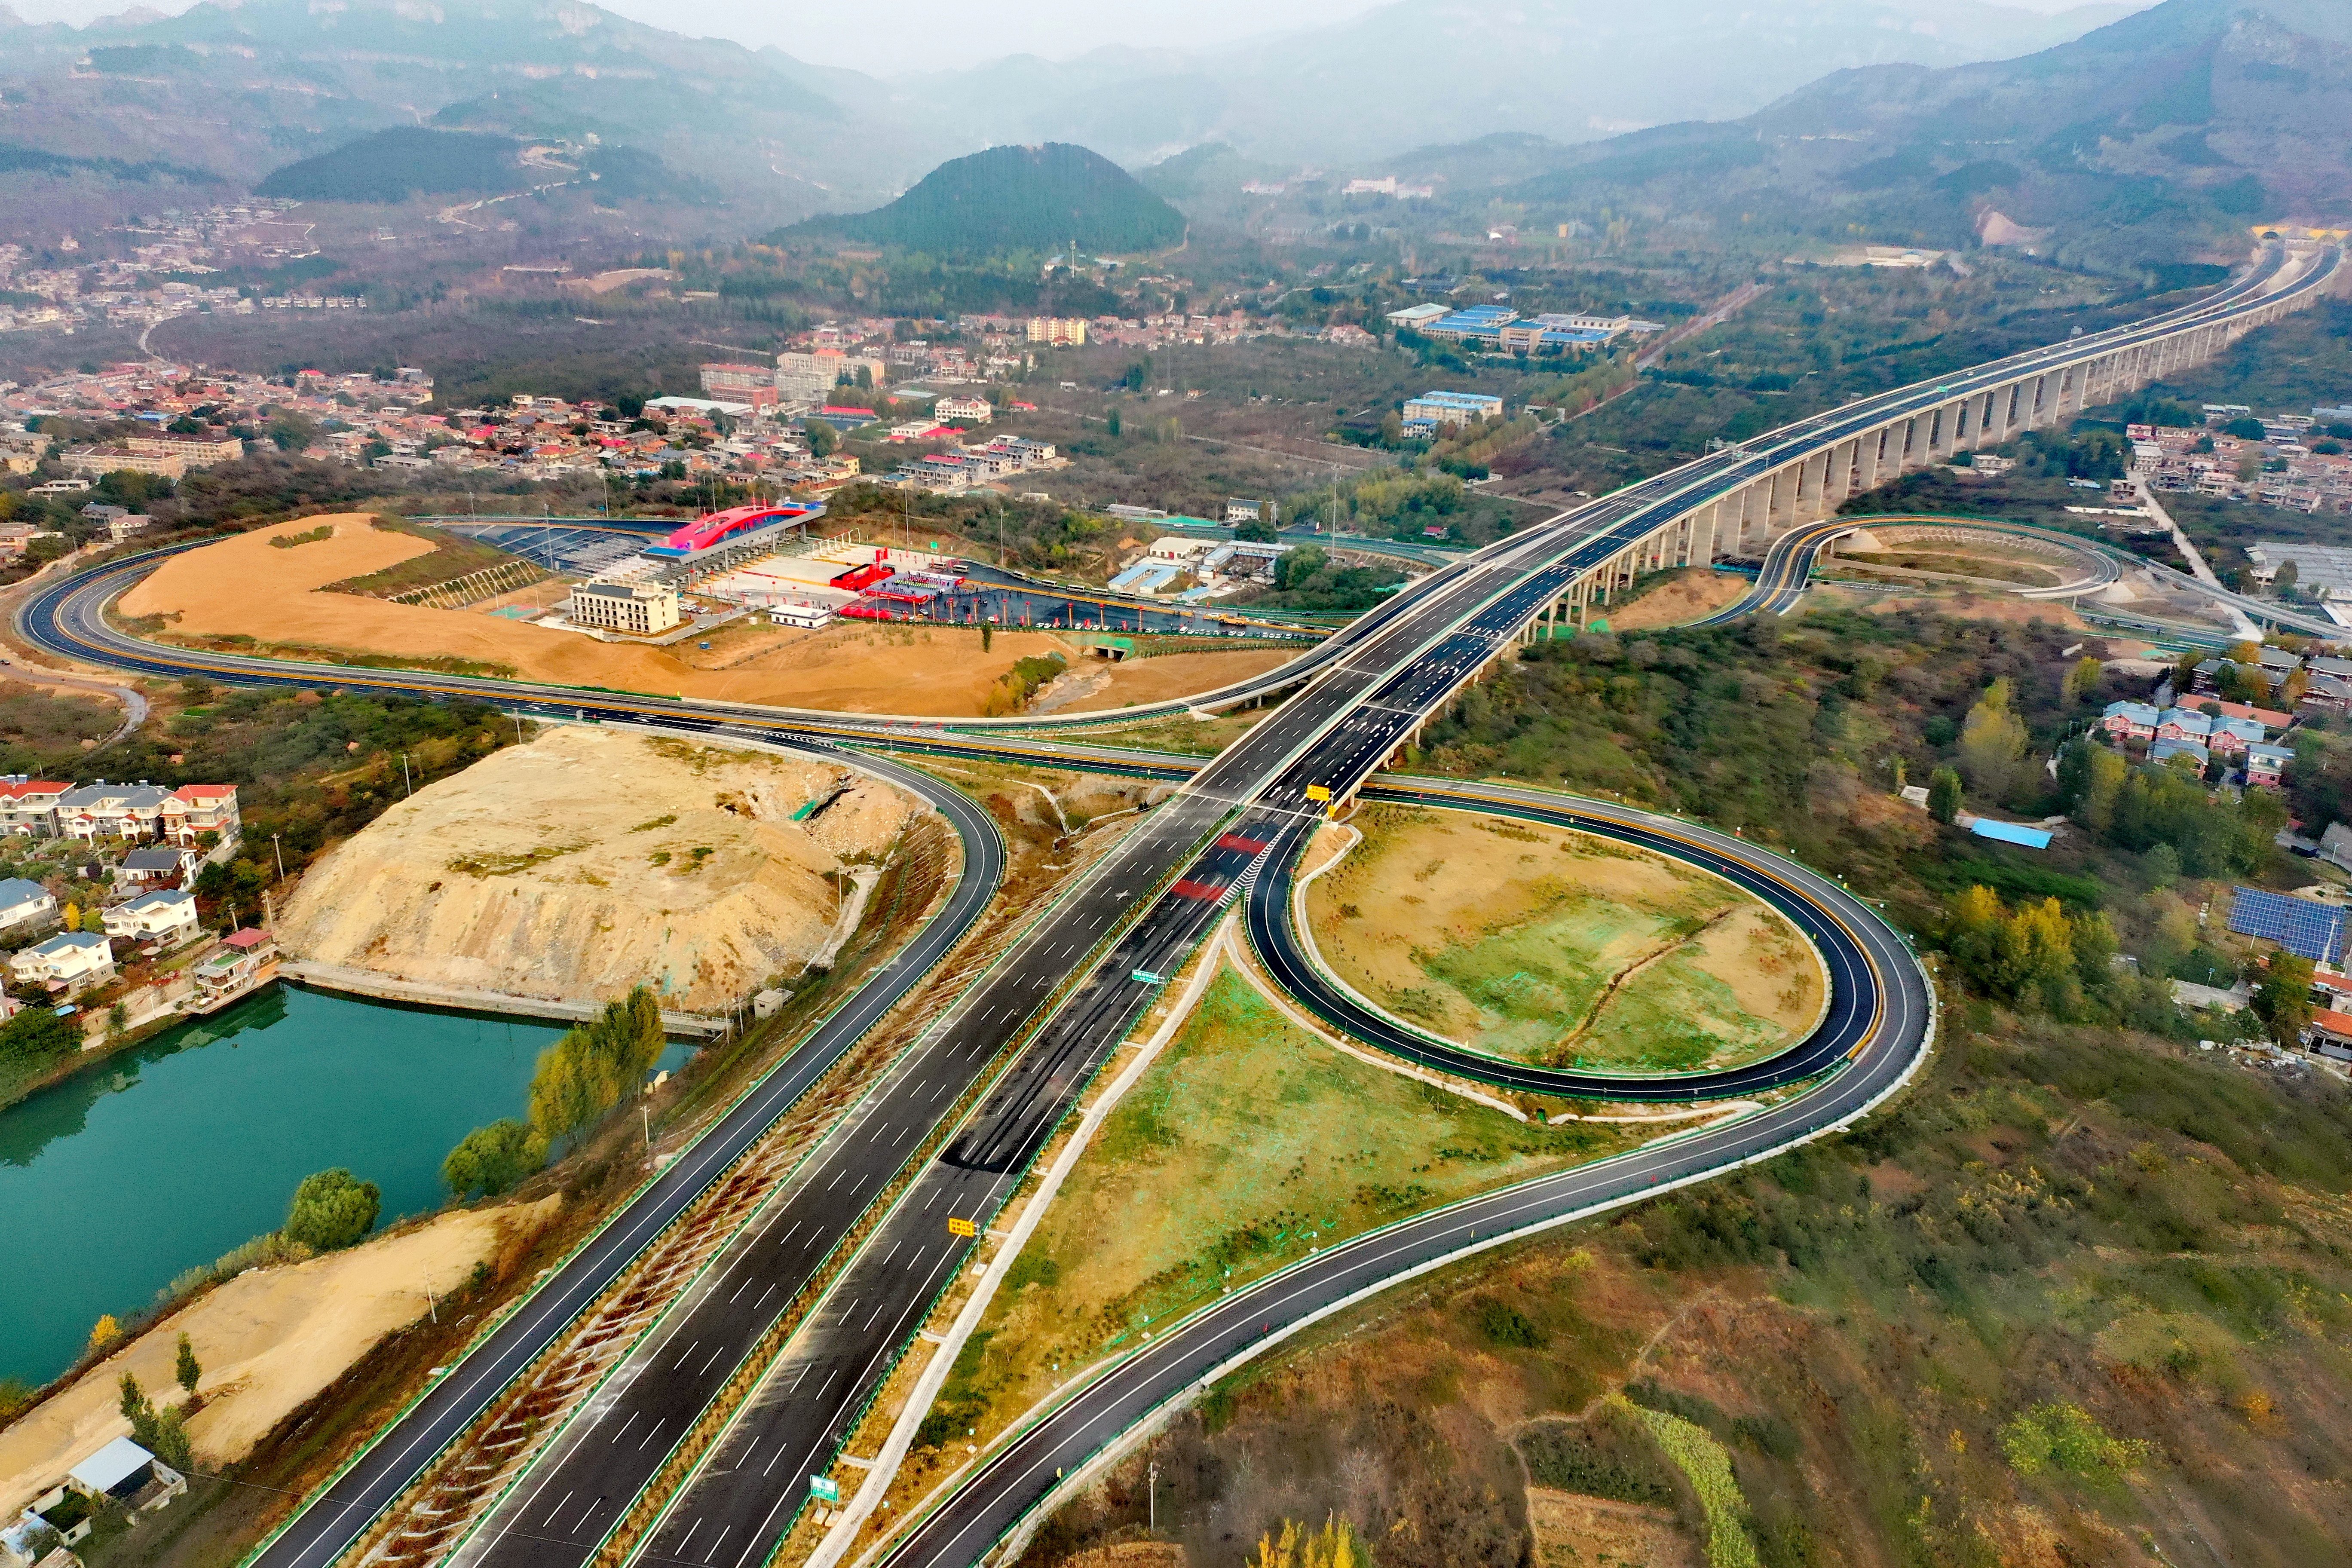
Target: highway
{"x":1877,"y":1031}
{"x":1131,"y":916}
{"x":331,"y":1518}
{"x":1021,"y":1042}
{"x":1789,"y":560}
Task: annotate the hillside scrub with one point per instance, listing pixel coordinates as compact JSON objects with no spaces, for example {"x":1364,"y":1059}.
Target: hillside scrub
{"x":1799,"y":735}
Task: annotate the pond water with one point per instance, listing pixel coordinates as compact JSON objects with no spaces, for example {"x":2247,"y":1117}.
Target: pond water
{"x":168,"y":1155}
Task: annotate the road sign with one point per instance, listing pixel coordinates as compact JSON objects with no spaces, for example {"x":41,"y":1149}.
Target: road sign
{"x":961,"y":1227}
{"x":1316,"y":792}
{"x":1145,"y":977}
{"x":822,"y":1489}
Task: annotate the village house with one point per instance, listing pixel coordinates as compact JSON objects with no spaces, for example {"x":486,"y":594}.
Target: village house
{"x":28,"y":806}
{"x":168,"y":917}
{"x":22,"y":902}
{"x":2130,"y":720}
{"x":69,"y":961}
{"x":2184,"y":725}
{"x":2266,"y":766}
{"x":158,"y":864}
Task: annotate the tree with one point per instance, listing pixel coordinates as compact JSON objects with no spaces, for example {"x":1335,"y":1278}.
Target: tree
{"x":2282,"y":1000}
{"x":823,"y":440}
{"x":1334,"y":1546}
{"x":1992,"y":744}
{"x":589,"y":1070}
{"x":1256,"y":529}
{"x":2091,"y":778}
{"x":37,"y":1035}
{"x":493,"y":1159}
{"x":186,"y":1371}
{"x":2082,"y":680}
{"x":131,"y":1400}
{"x":332,"y":1208}
{"x":987,"y":637}
{"x":1110,"y":422}
{"x":104,"y":1332}
{"x":1943,"y":795}
{"x":2288,"y":574}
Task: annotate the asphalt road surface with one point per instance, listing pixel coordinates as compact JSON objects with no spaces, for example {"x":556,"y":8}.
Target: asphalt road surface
{"x":1873,"y":1037}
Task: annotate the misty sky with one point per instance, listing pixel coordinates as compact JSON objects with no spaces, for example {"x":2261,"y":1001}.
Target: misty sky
{"x":932,"y":35}
{"x":906,"y":35}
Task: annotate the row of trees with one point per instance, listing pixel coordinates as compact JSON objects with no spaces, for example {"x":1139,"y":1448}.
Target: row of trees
{"x":578,"y":1082}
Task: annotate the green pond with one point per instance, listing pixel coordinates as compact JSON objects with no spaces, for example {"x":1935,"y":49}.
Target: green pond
{"x":167,"y":1155}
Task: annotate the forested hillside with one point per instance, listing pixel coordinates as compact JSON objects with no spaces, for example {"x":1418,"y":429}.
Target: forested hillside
{"x":395,"y":164}
{"x":1014,"y":198}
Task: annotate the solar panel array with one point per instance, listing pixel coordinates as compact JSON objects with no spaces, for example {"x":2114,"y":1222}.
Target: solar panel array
{"x":2308,"y":930}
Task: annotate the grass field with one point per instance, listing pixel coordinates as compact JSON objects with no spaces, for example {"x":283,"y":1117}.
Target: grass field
{"x":1543,"y":945}
{"x":1246,"y":1144}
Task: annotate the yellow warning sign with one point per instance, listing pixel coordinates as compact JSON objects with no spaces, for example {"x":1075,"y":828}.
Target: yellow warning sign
{"x":962,"y":1227}
{"x":1316,"y":792}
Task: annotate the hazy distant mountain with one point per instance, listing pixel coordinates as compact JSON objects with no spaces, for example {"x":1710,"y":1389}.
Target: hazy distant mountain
{"x":244,"y":90}
{"x":2158,"y":138}
{"x":1016,"y":198}
{"x":1414,"y":74}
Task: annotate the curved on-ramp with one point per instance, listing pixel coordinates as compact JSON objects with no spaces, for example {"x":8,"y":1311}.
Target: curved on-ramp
{"x":1877,"y":1030}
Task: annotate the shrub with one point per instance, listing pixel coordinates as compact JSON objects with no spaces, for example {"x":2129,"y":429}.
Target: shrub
{"x":2065,"y":1438}
{"x":491,"y":1160}
{"x":331,"y":1209}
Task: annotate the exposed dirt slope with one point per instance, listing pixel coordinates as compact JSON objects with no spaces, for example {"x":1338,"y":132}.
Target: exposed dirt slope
{"x":268,"y":1341}
{"x":589,"y":860}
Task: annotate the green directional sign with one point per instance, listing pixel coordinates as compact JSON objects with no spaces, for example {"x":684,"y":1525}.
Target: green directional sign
{"x":1145,"y":977}
{"x":823,"y":1489}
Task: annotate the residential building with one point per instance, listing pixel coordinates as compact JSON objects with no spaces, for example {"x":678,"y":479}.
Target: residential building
{"x":165,"y":917}
{"x":70,"y":961}
{"x":96,"y":462}
{"x":193,"y":451}
{"x":104,"y":810}
{"x":247,"y":960}
{"x":641,"y":609}
{"x":23,"y":902}
{"x":2329,"y":1034}
{"x":157,"y":866}
{"x":2232,"y":736}
{"x":2130,"y":720}
{"x":193,"y":810}
{"x":2184,"y":725}
{"x":811,"y":376}
{"x":1442,"y":410}
{"x":978,"y":410}
{"x":26,"y":1543}
{"x":1245,"y":511}
{"x":2164,"y":750}
{"x":125,"y":1473}
{"x":28,"y":806}
{"x":1058,"y":332}
{"x":740,"y":383}
{"x":2266,"y":765}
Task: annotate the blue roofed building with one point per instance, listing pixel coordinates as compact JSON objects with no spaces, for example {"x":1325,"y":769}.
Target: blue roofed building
{"x":1438,"y":410}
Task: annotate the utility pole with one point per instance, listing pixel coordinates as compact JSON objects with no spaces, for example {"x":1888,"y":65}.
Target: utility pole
{"x":646,"y":1112}
{"x":281,"y":856}
{"x":1152,"y":1506}
{"x":407,"y":789}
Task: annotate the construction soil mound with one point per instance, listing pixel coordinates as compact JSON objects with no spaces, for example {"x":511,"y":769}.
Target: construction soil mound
{"x":268,"y":1341}
{"x":250,"y":587}
{"x":591,"y":859}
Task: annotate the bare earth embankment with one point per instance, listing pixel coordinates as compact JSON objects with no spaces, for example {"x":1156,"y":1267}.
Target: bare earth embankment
{"x":269,"y":1341}
{"x":270,"y":596}
{"x":591,"y":859}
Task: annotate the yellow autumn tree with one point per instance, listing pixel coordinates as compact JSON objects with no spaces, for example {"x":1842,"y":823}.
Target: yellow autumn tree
{"x":1333,"y":1546}
{"x":104,"y":1332}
